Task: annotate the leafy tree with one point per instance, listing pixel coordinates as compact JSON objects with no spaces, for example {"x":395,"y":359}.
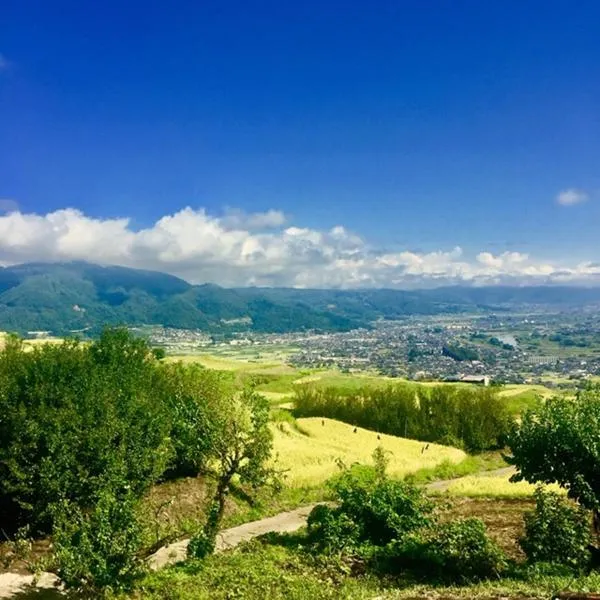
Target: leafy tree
{"x":74,"y":420}
{"x":559,"y":443}
{"x":241,"y":449}
{"x":193,"y":397}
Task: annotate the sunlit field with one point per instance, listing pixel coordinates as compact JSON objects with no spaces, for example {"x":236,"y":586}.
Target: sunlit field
{"x":479,"y":486}
{"x":32,"y":343}
{"x":265,"y":365}
{"x":310,"y":450}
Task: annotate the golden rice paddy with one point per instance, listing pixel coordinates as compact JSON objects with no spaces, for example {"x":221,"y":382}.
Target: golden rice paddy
{"x":310,"y":452}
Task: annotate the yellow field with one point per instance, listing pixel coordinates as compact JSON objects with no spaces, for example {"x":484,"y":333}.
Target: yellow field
{"x":219,"y":363}
{"x":516,"y":389}
{"x":476,"y":486}
{"x":309,"y":453}
{"x":29,"y":344}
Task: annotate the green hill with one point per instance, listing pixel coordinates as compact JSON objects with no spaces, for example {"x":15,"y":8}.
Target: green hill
{"x":64,"y":297}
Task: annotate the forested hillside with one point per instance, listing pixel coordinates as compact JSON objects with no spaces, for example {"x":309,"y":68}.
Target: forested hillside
{"x":62,"y":298}
{"x":67,"y":297}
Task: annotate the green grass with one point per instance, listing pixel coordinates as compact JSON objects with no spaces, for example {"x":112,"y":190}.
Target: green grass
{"x":255,"y":571}
{"x":530,"y":585}
{"x":487,"y":461}
{"x":517,"y":404}
{"x":275,"y":567}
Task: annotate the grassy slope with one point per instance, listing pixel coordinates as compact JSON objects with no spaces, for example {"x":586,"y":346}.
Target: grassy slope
{"x":310,"y":449}
{"x":483,"y":485}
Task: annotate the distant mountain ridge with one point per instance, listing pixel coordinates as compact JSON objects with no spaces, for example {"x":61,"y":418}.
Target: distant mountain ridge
{"x":63,"y":297}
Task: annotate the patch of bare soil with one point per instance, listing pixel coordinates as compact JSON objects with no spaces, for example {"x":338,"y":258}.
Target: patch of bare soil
{"x":503,"y":518}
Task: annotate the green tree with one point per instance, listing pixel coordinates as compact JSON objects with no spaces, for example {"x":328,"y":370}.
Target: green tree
{"x":241,"y":449}
{"x":559,"y":443}
{"x":76,"y":419}
{"x":193,"y":397}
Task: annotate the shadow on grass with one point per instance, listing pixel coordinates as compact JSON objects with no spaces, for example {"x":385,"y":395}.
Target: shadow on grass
{"x":290,"y":541}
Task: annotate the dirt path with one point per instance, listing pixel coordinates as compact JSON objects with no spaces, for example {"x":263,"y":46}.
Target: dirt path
{"x":230,"y":538}
{"x":23,"y":586}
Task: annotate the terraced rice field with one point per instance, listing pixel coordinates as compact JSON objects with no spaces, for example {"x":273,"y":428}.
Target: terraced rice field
{"x":310,"y":450}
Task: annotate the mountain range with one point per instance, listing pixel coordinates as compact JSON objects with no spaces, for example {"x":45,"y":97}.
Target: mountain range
{"x":67,"y":297}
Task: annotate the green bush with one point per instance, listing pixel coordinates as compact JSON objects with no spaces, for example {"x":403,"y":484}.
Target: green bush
{"x":98,"y":551}
{"x":330,"y":530}
{"x":371,"y":510}
{"x":383,"y":509}
{"x":455,"y":552}
{"x":557,"y":532}
{"x":74,"y":417}
{"x":201,"y":545}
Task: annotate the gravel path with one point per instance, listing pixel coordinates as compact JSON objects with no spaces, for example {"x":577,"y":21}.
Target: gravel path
{"x":23,"y":586}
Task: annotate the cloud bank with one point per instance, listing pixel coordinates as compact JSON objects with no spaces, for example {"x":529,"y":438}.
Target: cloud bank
{"x":240,"y":249}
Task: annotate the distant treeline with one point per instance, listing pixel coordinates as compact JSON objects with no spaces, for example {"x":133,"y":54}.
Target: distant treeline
{"x":460,"y":353}
{"x":473,"y":418}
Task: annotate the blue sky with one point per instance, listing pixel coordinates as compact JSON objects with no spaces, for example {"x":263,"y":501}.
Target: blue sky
{"x":418,"y":126}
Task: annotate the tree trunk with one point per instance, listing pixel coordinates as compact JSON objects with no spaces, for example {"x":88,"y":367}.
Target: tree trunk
{"x":217,"y":508}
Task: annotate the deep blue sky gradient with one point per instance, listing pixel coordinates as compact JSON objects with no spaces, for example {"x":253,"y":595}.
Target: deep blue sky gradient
{"x":418,"y":124}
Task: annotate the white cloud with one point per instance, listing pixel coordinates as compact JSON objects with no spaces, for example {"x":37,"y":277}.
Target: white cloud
{"x":571,"y":196}
{"x":261,"y":249}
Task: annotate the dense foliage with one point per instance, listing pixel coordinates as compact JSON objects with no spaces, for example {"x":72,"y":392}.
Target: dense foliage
{"x":86,"y":429}
{"x":371,"y":509}
{"x":456,"y":551}
{"x":460,"y":353}
{"x":557,"y":532}
{"x":390,"y":524}
{"x":75,"y":420}
{"x":559,"y":443}
{"x":474,"y":418}
{"x":98,"y":550}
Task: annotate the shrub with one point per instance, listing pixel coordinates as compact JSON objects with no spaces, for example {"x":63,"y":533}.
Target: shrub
{"x":458,"y":551}
{"x":98,"y":551}
{"x":371,"y":510}
{"x":382,"y":509}
{"x":201,"y":545}
{"x":330,"y":530}
{"x":556,"y":532}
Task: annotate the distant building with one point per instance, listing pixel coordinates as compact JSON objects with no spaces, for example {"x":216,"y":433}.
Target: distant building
{"x":480,"y":379}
